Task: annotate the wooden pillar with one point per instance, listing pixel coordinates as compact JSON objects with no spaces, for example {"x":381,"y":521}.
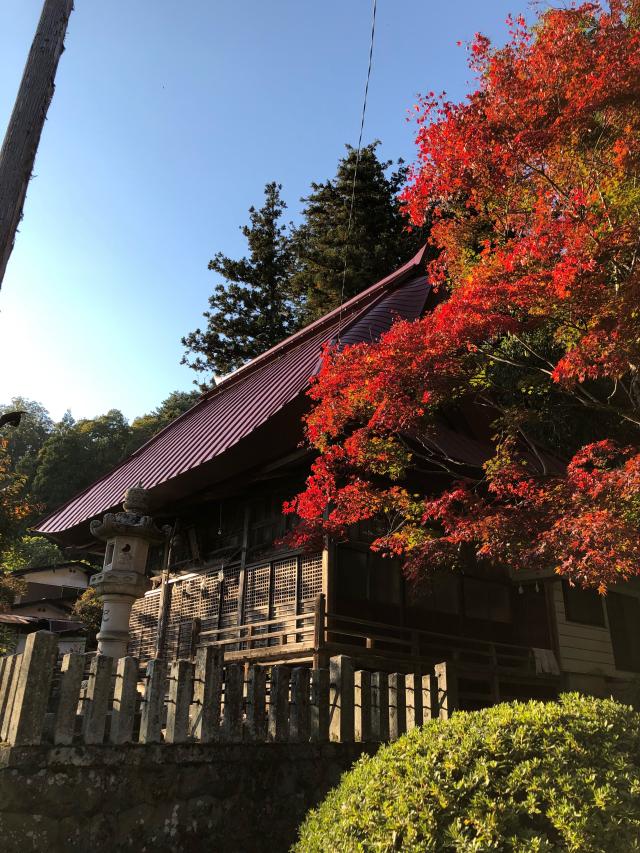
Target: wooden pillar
{"x":242,"y":579}
{"x":18,"y":153}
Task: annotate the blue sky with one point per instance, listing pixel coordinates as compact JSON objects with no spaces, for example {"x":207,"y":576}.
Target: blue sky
{"x":167,"y":121}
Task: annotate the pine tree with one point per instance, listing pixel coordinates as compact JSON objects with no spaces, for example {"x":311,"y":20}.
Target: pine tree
{"x":252,"y":310}
{"x":378,"y":241}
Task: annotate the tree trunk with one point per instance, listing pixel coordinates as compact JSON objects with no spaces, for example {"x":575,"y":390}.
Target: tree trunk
{"x":27,"y":120}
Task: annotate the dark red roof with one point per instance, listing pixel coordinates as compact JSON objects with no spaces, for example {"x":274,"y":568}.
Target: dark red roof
{"x":248,"y":398}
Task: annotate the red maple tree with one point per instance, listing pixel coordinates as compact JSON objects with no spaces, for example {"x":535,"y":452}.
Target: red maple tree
{"x":533,"y":183}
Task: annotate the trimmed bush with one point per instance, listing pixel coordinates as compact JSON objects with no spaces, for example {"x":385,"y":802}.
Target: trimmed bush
{"x":535,"y":776}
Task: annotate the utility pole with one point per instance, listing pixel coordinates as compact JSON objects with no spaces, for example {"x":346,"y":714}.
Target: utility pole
{"x":21,"y":141}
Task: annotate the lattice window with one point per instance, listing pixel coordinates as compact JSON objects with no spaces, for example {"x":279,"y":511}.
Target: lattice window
{"x":229,"y":603}
{"x":209,"y":587}
{"x":256,"y":595}
{"x":311,"y":585}
{"x":283,"y":591}
{"x":185,"y":607}
{"x":143,"y":626}
{"x":272,"y":590}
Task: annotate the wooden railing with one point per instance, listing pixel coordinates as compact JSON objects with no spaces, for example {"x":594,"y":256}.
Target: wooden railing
{"x":320,"y":634}
{"x":364,"y":636}
{"x":207,"y":700}
{"x":269,"y":633}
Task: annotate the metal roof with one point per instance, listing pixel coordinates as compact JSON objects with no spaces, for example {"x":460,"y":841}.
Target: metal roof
{"x":14,"y":619}
{"x":248,"y":398}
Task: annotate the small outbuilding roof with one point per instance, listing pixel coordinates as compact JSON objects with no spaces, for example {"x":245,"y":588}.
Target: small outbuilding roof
{"x":54,"y":567}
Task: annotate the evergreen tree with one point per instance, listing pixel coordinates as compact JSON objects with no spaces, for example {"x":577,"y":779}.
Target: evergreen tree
{"x":377,"y":243}
{"x":251,"y":310}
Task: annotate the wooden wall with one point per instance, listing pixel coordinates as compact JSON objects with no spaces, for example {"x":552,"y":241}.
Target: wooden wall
{"x":587,"y":649}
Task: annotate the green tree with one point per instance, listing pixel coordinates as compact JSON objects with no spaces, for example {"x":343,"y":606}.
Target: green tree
{"x":377,"y":243}
{"x":252,"y":309}
{"x":25,"y":441}
{"x":31,"y":552}
{"x":88,"y":610}
{"x":15,"y":504}
{"x":146,"y":426}
{"x":76,"y":454}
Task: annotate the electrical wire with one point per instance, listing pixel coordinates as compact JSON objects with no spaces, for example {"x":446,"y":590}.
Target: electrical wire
{"x":358,"y":153}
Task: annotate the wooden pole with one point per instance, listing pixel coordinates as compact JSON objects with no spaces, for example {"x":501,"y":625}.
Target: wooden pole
{"x":21,"y":140}
{"x":164,"y":605}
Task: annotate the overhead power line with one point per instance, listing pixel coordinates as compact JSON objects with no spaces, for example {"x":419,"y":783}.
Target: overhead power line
{"x":374,"y":7}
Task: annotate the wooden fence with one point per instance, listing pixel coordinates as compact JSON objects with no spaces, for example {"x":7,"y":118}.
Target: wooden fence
{"x":92,"y":699}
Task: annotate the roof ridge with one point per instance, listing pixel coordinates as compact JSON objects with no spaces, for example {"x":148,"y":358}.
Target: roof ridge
{"x":357,"y":305}
{"x":393,"y":278}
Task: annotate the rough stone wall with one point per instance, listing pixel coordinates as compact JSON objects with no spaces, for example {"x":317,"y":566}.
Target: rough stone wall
{"x":193,"y":798}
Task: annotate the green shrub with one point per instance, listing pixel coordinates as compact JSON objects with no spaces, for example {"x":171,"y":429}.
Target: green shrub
{"x":535,"y":776}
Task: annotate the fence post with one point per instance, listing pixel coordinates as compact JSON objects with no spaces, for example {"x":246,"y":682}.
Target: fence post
{"x":207,"y":690}
{"x":233,"y":696}
{"x":256,"y":703}
{"x":397,"y":705}
{"x":415,"y":713}
{"x":97,"y":699}
{"x":153,"y":702}
{"x":124,"y":701}
{"x":362,"y":705}
{"x":11,"y":695}
{"x":180,"y":689}
{"x":32,"y":689}
{"x":299,"y":723}
{"x":447,"y":681}
{"x":341,"y":725}
{"x":429,"y":697}
{"x":71,"y":671}
{"x":4,"y":664}
{"x":319,"y":705}
{"x":380,"y":706}
{"x":5,"y":694}
{"x":279,"y":703}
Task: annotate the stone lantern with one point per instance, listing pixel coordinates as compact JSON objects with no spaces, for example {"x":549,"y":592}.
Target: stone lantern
{"x":128,"y":535}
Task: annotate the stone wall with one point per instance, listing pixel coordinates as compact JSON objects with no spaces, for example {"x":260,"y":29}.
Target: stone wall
{"x":196,"y":798}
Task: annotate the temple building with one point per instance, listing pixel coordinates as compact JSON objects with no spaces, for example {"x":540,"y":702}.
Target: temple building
{"x":216,"y":479}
